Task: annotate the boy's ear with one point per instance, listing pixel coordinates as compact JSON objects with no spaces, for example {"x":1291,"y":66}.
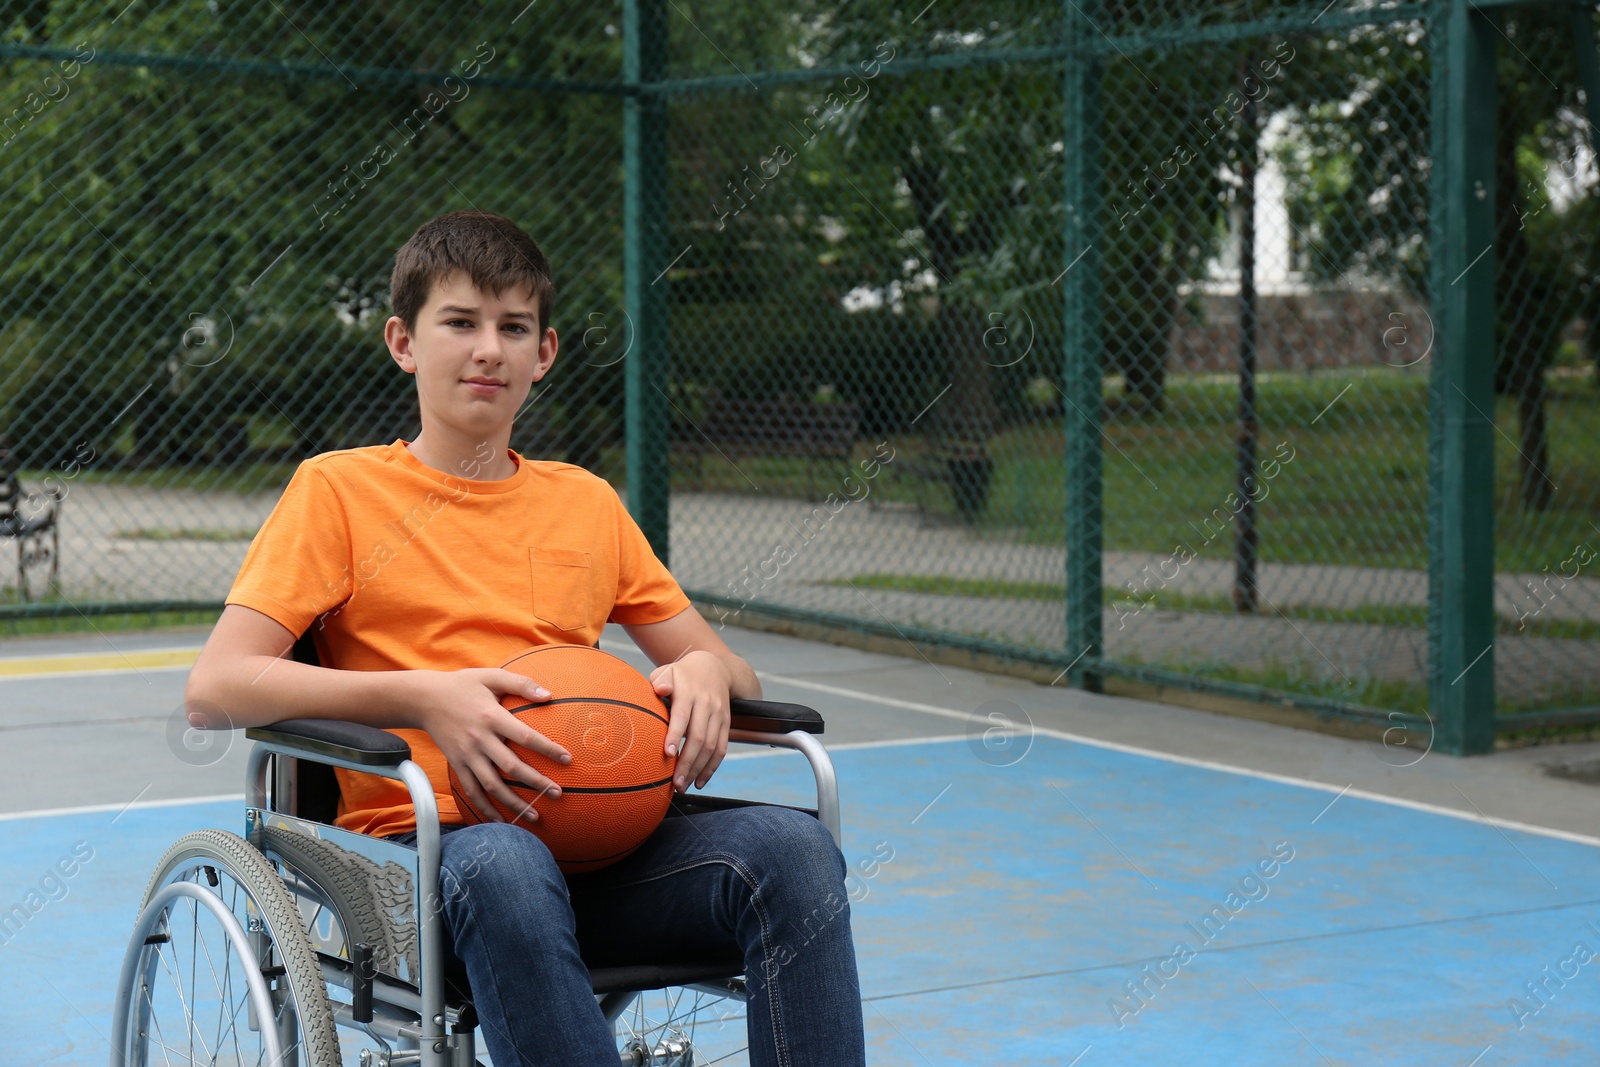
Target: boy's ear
{"x":547,"y":353}
{"x":398,"y":338}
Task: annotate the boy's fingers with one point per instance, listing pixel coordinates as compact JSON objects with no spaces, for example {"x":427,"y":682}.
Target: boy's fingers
{"x":678,"y":716}
{"x":524,"y":808}
{"x":478,"y":798}
{"x":534,"y":741}
{"x":702,"y":768}
{"x":691,"y":754}
{"x":711,"y":764}
{"x":715,"y":747}
{"x":514,"y":772}
{"x":514,"y":684}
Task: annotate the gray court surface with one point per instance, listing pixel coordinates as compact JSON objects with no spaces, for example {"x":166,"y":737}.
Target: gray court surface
{"x":720,"y":539}
{"x":116,"y":738}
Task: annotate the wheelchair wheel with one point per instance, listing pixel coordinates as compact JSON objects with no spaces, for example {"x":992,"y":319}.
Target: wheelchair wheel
{"x":220,"y":970}
{"x":683,"y":1028}
{"x":371,"y":903}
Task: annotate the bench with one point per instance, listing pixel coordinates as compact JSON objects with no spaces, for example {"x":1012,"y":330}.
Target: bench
{"x":781,"y":427}
{"x":30,"y":519}
{"x":966,"y":469}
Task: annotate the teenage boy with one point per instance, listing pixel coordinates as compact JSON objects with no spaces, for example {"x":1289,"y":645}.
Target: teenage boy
{"x":414,"y":558}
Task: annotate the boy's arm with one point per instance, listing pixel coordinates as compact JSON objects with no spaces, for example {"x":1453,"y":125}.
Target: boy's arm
{"x":701,"y":673}
{"x":246,"y":676}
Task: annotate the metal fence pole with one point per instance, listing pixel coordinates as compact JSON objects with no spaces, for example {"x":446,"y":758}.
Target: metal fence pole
{"x":1461,"y":475}
{"x":1246,"y":537}
{"x":1080,"y":282}
{"x":644,"y":222}
{"x":1588,"y":64}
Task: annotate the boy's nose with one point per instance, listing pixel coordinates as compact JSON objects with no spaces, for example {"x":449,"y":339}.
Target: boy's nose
{"x":490,"y":346}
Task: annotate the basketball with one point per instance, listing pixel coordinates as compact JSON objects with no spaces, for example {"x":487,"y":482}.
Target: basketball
{"x":616,"y":790}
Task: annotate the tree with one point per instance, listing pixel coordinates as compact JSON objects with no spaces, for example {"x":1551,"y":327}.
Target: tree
{"x":941,"y":192}
{"x":215,"y":232}
{"x":1359,"y":186}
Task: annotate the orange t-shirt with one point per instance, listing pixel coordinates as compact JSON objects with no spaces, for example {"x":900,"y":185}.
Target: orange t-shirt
{"x":411,"y":568}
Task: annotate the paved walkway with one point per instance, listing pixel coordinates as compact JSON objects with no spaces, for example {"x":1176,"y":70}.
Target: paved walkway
{"x":795,"y":553}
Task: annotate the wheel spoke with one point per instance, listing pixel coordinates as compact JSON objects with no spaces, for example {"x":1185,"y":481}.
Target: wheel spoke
{"x":681,"y":1011}
{"x":208,"y":966}
{"x":227,"y":1021}
{"x":186,"y":1004}
{"x":194,"y":942}
{"x":155,"y":1021}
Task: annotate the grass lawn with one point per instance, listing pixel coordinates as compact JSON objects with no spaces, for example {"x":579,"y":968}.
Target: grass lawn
{"x":72,"y":624}
{"x":1354,"y":493}
{"x":183,"y":533}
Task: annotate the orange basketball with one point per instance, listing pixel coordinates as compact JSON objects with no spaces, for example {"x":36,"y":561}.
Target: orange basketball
{"x":616,"y":790}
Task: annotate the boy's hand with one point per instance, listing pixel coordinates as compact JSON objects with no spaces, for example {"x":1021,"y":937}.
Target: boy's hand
{"x":461,"y":712}
{"x":697,"y":731}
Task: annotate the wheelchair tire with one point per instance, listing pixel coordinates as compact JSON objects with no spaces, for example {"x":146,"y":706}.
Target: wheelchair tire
{"x":212,"y":1019}
{"x":361,"y":893}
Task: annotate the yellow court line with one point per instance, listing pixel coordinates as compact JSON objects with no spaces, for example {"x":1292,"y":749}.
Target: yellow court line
{"x":23,"y":666}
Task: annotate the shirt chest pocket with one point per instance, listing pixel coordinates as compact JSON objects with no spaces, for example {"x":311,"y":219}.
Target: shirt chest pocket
{"x":561,"y":586}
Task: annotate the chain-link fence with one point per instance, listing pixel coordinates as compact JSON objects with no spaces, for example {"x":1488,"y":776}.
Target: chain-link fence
{"x":1096,"y":337}
{"x":201,"y":207}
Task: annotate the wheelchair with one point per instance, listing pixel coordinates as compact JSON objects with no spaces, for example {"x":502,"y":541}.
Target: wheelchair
{"x":300,"y":944}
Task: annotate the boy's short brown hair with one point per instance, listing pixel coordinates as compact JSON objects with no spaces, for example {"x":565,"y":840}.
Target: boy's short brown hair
{"x":491,"y":250}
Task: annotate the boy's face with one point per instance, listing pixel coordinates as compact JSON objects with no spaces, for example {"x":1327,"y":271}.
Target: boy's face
{"x":465,"y":341}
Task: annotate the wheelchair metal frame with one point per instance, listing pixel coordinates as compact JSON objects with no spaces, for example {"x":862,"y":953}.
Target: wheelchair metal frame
{"x":271,"y":788}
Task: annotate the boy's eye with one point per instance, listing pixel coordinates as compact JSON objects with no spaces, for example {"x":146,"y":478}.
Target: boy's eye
{"x":459,"y":322}
{"x":517,"y":326}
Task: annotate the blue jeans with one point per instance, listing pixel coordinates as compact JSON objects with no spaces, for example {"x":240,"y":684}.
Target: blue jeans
{"x":762,"y":884}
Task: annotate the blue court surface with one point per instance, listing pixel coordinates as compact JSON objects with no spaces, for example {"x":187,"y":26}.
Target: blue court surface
{"x":1083,"y":905}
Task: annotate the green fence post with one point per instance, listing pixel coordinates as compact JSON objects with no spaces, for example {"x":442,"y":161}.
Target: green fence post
{"x":1461,"y":471}
{"x":644,"y":224}
{"x":1588,"y":64}
{"x":1080,"y":281}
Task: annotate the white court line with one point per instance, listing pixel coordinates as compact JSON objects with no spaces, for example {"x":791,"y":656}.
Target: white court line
{"x":1210,"y":765}
{"x":775,"y":750}
{"x":952,"y":713}
{"x":89,"y":809}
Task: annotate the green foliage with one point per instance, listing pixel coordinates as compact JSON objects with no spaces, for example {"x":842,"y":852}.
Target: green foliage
{"x":1358,"y":168}
{"x":215,"y":247}
{"x":200,"y":225}
{"x":1356,"y":160}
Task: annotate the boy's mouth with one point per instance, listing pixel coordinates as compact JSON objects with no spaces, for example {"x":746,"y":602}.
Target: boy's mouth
{"x":486,"y":386}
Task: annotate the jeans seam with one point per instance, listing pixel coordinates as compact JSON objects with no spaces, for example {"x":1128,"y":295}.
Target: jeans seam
{"x":779,"y":1036}
{"x":688,"y":865}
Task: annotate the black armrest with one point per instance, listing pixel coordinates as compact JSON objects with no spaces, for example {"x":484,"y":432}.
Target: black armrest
{"x":773,"y":717}
{"x":351,"y":741}
{"x":373,"y":747}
